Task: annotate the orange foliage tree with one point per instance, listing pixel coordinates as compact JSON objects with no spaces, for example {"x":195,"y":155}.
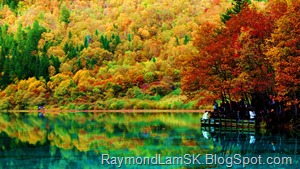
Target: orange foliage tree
{"x":232,"y":61}
{"x":284,"y":52}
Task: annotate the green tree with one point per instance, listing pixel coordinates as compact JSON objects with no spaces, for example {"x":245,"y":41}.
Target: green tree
{"x":115,"y":40}
{"x":65,"y":14}
{"x":54,"y":61}
{"x":43,"y":67}
{"x":110,"y":44}
{"x":105,"y":42}
{"x":20,"y":38}
{"x":33,"y":37}
{"x":238,"y":5}
{"x":13,"y":4}
{"x":186,"y":39}
{"x":87,"y":41}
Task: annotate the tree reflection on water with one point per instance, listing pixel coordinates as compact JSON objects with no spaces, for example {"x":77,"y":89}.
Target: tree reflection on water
{"x":77,"y":140}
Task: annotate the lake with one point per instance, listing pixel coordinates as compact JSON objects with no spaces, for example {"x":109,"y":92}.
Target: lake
{"x":137,"y":140}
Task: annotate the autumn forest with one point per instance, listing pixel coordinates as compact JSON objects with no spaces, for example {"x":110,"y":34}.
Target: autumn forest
{"x":148,"y":54}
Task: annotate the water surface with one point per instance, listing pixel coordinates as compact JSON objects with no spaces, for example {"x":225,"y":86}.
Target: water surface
{"x":162,"y":140}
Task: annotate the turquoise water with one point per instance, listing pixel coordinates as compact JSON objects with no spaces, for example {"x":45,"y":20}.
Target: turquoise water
{"x":141,"y":140}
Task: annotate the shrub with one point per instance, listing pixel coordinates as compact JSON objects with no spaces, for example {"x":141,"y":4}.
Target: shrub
{"x":157,"y":97}
{"x":4,"y":104}
{"x":189,"y":105}
{"x":142,"y":105}
{"x":83,"y":107}
{"x":100,"y":105}
{"x":72,"y":106}
{"x":177,"y":105}
{"x":117,"y":105}
{"x":129,"y":104}
{"x":149,"y":77}
{"x":176,"y":92}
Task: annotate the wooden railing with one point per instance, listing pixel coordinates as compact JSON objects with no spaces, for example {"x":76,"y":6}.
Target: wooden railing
{"x":233,"y":123}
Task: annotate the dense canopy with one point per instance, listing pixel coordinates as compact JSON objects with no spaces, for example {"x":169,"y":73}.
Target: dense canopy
{"x":137,"y":54}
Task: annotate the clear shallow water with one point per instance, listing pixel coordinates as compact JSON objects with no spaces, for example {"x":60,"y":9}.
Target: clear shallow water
{"x":86,"y":140}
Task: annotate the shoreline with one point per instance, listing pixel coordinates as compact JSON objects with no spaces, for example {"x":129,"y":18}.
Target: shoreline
{"x":105,"y":111}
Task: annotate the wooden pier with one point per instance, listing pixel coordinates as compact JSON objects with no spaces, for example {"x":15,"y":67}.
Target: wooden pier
{"x":228,"y":122}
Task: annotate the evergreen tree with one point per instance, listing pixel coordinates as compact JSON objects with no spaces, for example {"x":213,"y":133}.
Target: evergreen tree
{"x":2,"y":60}
{"x":17,"y":54}
{"x":129,"y":37}
{"x":116,"y":39}
{"x":90,"y":63}
{"x":87,"y":41}
{"x":36,"y":68}
{"x":12,"y":4}
{"x":70,"y":35}
{"x":7,"y":47}
{"x":33,"y":66}
{"x":43,"y":67}
{"x":5,"y":78}
{"x":4,"y":29}
{"x":47,"y":46}
{"x":71,"y":51}
{"x":78,"y":65}
{"x":54,"y":61}
{"x":66,"y":48}
{"x":237,"y":8}
{"x":65,"y":14}
{"x":186,"y":39}
{"x":110,"y":44}
{"x":33,"y":37}
{"x":105,"y":42}
{"x":18,"y":71}
{"x":20,"y":38}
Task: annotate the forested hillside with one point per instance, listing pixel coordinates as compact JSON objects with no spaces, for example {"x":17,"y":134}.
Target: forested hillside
{"x":142,"y":54}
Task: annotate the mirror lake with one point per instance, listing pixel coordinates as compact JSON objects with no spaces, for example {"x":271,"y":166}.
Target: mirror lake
{"x":145,"y":140}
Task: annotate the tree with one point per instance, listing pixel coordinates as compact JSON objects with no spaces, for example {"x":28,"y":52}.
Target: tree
{"x":71,"y":50}
{"x":284,"y":52}
{"x":33,"y":37}
{"x":186,"y":39}
{"x":11,"y":3}
{"x":194,"y":73}
{"x":276,"y":8}
{"x":231,"y":62}
{"x":55,"y":62}
{"x":237,"y":8}
{"x":65,"y":14}
{"x":255,"y":71}
{"x":43,"y":67}
{"x":20,"y":38}
{"x":105,"y":42}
